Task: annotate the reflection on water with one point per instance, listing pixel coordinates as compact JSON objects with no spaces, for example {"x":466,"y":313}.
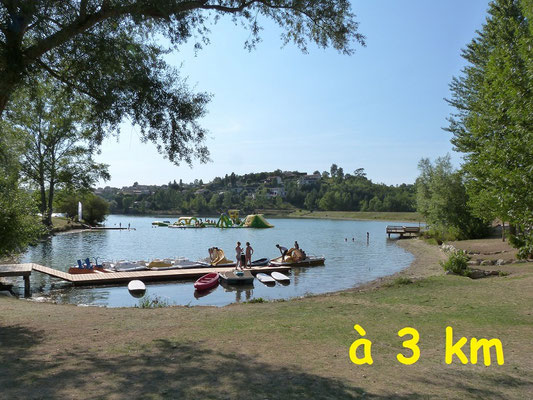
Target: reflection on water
{"x":348,"y":262}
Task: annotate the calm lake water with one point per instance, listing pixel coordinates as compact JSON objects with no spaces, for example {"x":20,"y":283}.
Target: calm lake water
{"x":348,"y":263}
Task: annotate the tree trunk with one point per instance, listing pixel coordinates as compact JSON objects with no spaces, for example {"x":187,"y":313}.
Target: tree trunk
{"x":503,"y":231}
{"x":50,"y":203}
{"x":43,"y":202}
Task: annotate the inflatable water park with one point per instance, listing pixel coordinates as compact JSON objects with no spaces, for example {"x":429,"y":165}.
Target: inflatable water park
{"x":226,"y":220}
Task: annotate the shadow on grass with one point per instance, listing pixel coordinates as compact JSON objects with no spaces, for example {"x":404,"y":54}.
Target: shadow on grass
{"x":170,"y":370}
{"x":164,"y":370}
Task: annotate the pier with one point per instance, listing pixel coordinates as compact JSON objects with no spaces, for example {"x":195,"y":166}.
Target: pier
{"x":24,"y":270}
{"x":403,"y":231}
{"x":111,"y":278}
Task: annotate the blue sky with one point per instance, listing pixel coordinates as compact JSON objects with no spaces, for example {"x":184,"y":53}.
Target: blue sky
{"x":381,"y":109}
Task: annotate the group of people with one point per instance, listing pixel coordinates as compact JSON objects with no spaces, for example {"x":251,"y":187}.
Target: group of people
{"x":244,"y":256}
{"x":367,"y":238}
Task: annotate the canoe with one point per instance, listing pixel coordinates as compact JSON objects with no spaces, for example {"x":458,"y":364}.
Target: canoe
{"x":232,"y":278}
{"x":307,"y":261}
{"x":261,"y":262}
{"x":207,"y":281}
{"x":136,"y":287}
{"x":280,"y":277}
{"x":264,"y":278}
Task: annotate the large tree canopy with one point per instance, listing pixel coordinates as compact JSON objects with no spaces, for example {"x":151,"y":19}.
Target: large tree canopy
{"x":493,"y":124}
{"x":107,"y":50}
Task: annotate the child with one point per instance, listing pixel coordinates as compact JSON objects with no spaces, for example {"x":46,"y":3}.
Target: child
{"x":249,"y":252}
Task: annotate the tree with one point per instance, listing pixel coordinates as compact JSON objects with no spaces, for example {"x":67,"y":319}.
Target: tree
{"x":333,"y":170}
{"x":443,"y":201}
{"x":95,"y":209}
{"x":52,"y":124}
{"x":108,"y":51}
{"x":493,"y":123}
{"x":19,"y":223}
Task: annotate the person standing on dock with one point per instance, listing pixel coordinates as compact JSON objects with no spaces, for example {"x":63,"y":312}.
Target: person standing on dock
{"x":249,"y":252}
{"x":238,"y":253}
{"x":283,"y":251}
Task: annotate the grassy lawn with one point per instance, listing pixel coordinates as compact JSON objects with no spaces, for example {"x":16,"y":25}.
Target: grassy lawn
{"x":359,"y":215}
{"x":279,"y":350}
{"x":62,"y":224}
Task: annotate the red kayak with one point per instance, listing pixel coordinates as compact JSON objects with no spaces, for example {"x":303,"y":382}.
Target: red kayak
{"x":206,"y":281}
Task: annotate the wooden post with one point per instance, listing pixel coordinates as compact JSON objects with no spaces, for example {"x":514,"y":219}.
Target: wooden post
{"x":27,"y":289}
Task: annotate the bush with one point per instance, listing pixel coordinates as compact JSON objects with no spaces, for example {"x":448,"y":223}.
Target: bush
{"x":155,"y":302}
{"x":457,"y":263}
{"x":524,"y":243}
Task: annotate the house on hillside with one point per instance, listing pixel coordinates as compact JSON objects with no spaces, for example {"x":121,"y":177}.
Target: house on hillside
{"x":309,"y":179}
{"x":276,"y":192}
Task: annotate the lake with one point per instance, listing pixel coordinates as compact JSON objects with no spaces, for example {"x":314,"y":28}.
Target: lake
{"x":348,"y":263}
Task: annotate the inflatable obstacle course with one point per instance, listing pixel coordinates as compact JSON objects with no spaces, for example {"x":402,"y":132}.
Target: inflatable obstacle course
{"x":256,"y":221}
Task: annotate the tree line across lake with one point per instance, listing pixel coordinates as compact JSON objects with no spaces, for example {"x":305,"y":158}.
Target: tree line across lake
{"x":330,"y":190}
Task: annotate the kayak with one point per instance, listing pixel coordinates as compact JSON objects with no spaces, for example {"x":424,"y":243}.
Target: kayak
{"x":261,"y":262}
{"x":264,"y":278}
{"x":207,"y":281}
{"x":280,"y":277}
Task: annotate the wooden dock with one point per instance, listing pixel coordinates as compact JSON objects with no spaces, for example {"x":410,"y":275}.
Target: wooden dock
{"x":23,"y":270}
{"x":403,"y":230}
{"x":112,"y":278}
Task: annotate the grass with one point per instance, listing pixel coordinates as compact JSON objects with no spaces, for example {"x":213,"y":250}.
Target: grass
{"x":358,"y":215}
{"x":275,"y":350}
{"x":62,"y":224}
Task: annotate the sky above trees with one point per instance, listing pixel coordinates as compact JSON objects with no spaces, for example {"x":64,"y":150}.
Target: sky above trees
{"x":381,"y":109}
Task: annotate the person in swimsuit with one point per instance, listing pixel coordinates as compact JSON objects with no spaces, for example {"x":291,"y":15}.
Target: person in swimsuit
{"x":249,"y":252}
{"x":238,"y":254}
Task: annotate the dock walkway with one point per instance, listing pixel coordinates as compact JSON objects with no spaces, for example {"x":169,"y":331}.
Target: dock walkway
{"x":403,"y":230}
{"x":111,"y":278}
{"x":24,"y":270}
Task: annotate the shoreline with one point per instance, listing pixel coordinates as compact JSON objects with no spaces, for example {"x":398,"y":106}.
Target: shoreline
{"x":302,"y":341}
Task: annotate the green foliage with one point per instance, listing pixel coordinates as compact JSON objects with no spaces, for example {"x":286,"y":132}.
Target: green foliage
{"x":523,"y":241}
{"x":457,"y":263}
{"x":19,"y":223}
{"x":443,"y":201}
{"x":58,"y":147}
{"x":492,"y":125}
{"x":400,"y":281}
{"x":153,"y":302}
{"x":94,"y":208}
{"x":256,"y":300}
{"x":111,"y":52}
{"x":251,"y":192}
